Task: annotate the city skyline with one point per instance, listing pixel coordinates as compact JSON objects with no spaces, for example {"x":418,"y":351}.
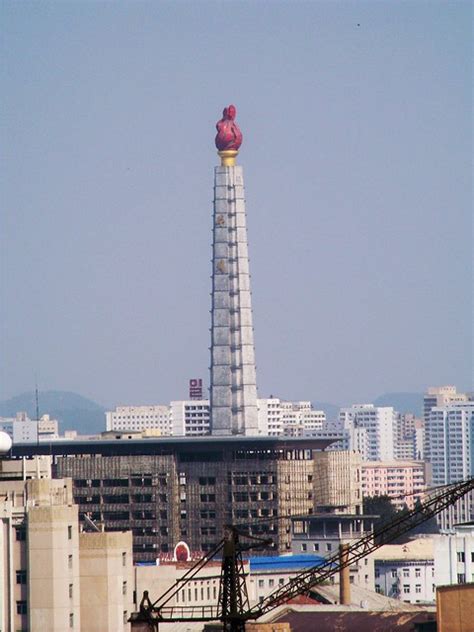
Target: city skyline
{"x":357,"y":182}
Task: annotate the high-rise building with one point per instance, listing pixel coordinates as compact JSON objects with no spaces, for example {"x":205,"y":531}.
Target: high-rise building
{"x":438,"y":396}
{"x":451,"y":449}
{"x":377,"y":424}
{"x":233,"y":389}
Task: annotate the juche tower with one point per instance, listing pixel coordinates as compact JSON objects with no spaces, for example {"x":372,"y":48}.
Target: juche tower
{"x":233,"y":391}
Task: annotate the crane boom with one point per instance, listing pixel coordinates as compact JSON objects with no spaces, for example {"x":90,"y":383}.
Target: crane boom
{"x":406,"y":521}
{"x":233,"y":613}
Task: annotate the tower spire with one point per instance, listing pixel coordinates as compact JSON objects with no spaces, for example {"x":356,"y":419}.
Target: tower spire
{"x":233,"y":392}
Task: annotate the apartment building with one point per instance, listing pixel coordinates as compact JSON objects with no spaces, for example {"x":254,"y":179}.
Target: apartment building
{"x":140,"y":418}
{"x":370,"y":429}
{"x":451,"y":449}
{"x":403,"y":481}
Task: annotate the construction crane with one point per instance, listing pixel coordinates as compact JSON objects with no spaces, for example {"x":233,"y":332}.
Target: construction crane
{"x":233,"y":608}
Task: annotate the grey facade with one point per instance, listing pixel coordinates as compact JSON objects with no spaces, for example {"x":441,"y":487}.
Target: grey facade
{"x":233,"y":391}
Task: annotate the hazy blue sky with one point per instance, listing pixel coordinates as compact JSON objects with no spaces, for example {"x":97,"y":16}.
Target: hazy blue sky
{"x":357,"y":155}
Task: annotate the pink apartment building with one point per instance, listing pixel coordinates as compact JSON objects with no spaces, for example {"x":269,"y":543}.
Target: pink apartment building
{"x":403,"y":481}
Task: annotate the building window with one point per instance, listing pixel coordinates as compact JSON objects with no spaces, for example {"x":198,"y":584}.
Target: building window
{"x":315,"y":547}
{"x":461,"y":578}
{"x":406,"y":589}
{"x":406,"y":572}
{"x":21,"y":577}
{"x":69,"y":561}
{"x":461,"y":556}
{"x":124,"y":559}
{"x":418,"y":588}
{"x":69,"y":532}
{"x":70,"y":591}
{"x":260,"y":583}
{"x":124,"y":588}
{"x":71,"y":619}
{"x":377,"y":573}
{"x":328,"y":546}
{"x":21,"y":607}
{"x":20,"y":534}
{"x":378,"y":590}
{"x":281,"y":581}
{"x":394,"y":572}
{"x":271,"y":583}
{"x":125,"y":616}
{"x":304,"y":547}
{"x":417,"y":572}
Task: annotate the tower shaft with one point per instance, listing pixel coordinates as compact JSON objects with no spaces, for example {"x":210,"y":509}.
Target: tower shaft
{"x":233,"y":393}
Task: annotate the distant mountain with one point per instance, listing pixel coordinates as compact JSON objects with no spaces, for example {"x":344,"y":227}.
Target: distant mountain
{"x":331,"y":410}
{"x":403,"y":402}
{"x":73,"y":411}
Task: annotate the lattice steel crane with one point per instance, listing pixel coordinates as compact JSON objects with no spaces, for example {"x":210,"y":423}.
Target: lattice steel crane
{"x":233,"y":608}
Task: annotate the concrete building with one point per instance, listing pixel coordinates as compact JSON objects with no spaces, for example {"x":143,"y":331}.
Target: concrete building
{"x":171,"y":489}
{"x":403,"y":481}
{"x":277,"y":417}
{"x":409,"y":438}
{"x":376,"y":443}
{"x":190,"y":418}
{"x":454,"y":555}
{"x":338,"y":485}
{"x":41,"y":583}
{"x":233,"y":387}
{"x":140,"y":418}
{"x":22,"y":429}
{"x":322,"y":533}
{"x":106,"y":576}
{"x":438,"y":396}
{"x":451,"y":449}
{"x":406,"y":571}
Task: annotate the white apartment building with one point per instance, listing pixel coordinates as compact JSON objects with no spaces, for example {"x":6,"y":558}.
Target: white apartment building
{"x":277,"y":417}
{"x":438,"y":396}
{"x":454,"y":555}
{"x":451,"y":449}
{"x":379,"y":423}
{"x":190,"y":418}
{"x":406,"y":571}
{"x":140,"y":418}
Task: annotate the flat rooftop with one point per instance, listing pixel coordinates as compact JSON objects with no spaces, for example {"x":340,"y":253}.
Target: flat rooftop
{"x":167,"y":445}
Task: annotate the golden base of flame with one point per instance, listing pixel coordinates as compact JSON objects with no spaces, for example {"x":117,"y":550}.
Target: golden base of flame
{"x":228,"y":157}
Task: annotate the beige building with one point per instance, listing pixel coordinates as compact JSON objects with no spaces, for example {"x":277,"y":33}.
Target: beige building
{"x":337,"y":487}
{"x":49,"y":572}
{"x":106,"y":574}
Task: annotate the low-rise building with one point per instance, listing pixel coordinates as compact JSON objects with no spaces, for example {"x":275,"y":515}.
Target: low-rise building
{"x":322,"y":533}
{"x":140,"y":418}
{"x":454,"y":555}
{"x":406,"y":571}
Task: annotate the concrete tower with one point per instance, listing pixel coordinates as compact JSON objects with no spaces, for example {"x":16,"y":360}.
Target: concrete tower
{"x":233,"y":395}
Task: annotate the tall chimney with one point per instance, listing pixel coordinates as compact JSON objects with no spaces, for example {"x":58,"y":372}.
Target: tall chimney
{"x":344,"y":576}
